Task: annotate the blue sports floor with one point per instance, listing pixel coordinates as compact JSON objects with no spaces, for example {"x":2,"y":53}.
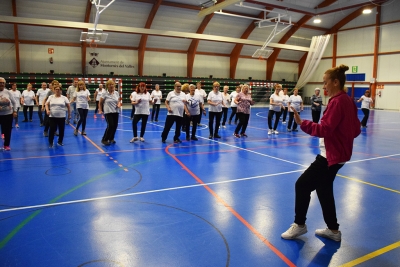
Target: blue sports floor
{"x":206,"y":203}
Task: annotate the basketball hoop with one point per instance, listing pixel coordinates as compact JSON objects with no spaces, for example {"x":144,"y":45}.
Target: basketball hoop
{"x":260,"y":58}
{"x":93,"y":44}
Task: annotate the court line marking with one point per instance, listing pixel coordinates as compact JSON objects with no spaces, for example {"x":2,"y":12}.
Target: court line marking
{"x":144,"y":192}
{"x":233,"y":211}
{"x":372,"y":255}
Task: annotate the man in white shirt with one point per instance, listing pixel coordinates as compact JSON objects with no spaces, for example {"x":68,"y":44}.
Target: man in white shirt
{"x":203,"y":94}
{"x":70,"y":96}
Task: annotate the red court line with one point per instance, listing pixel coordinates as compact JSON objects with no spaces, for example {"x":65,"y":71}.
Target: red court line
{"x":234,"y":212}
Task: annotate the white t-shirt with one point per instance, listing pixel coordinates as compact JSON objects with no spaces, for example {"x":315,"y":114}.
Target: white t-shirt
{"x":70,"y":92}
{"x":277,"y":103}
{"x":17,"y":98}
{"x":176,"y":103}
{"x":133,"y":95}
{"x":142,"y":108}
{"x":201,"y":92}
{"x":28,"y":97}
{"x":366,"y":102}
{"x":193,"y":103}
{"x":295,"y":102}
{"x":216,"y":98}
{"x":81,"y":99}
{"x":6,"y":102}
{"x":99,"y":93}
{"x":110,"y":102}
{"x":227,"y":99}
{"x":233,"y":96}
{"x":156,"y":95}
{"x":58,"y":106}
{"x":41,"y":94}
{"x":285,"y":100}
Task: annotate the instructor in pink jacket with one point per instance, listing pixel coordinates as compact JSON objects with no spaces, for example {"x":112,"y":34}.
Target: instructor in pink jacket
{"x":337,"y":130}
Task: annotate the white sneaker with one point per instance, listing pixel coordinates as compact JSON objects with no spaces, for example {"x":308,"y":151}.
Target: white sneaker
{"x":141,"y":139}
{"x":284,"y":122}
{"x":327,"y":233}
{"x":294,"y":231}
{"x":134,"y":139}
{"x":276,"y":132}
{"x":223,"y":126}
{"x":270,"y":131}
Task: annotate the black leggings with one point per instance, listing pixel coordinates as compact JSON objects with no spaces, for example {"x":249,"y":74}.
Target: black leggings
{"x":284,"y":111}
{"x":270,"y":115}
{"x":25,"y":110}
{"x":234,"y":110}
{"x":136,"y":119}
{"x":156,"y":109}
{"x":194,"y":119}
{"x":133,"y":111}
{"x":82,"y":118}
{"x":366,"y":116}
{"x":97,"y":107}
{"x":112,"y":125}
{"x":40,"y":113}
{"x":316,"y":114}
{"x":217,"y":116}
{"x":225,"y":115}
{"x":169,"y":121}
{"x":317,"y":177}
{"x":6,"y":125}
{"x":291,"y":120}
{"x":243,"y":121}
{"x":54,"y":124}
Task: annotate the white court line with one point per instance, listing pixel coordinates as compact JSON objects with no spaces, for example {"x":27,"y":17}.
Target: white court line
{"x":382,"y":157}
{"x":144,"y":192}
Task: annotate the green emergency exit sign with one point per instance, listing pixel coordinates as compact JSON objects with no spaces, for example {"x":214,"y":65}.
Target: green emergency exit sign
{"x":354,"y":69}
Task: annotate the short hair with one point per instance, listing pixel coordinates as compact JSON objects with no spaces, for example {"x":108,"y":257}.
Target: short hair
{"x":278,"y":85}
{"x":79,"y":83}
{"x":1,"y":78}
{"x":139,"y":85}
{"x":29,"y":84}
{"x":109,"y":82}
{"x":216,"y":84}
{"x":317,"y":89}
{"x":192,"y":85}
{"x":185,"y":88}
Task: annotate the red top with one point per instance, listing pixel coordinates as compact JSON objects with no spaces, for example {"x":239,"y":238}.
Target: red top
{"x":339,"y":126}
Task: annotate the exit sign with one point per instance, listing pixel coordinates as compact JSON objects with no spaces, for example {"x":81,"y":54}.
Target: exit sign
{"x":354,"y":69}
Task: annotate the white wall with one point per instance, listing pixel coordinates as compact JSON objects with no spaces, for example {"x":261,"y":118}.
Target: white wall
{"x":35,"y":58}
{"x":285,"y":70}
{"x":119,"y":61}
{"x":7,"y":57}
{"x":157,"y":63}
{"x":257,"y":69}
{"x":205,"y":66}
{"x":358,"y":41}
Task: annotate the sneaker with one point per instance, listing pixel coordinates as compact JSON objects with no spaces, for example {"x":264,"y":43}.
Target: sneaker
{"x":51,"y":145}
{"x":284,"y":122}
{"x":163,"y":141}
{"x":276,"y":132}
{"x":16,"y":126}
{"x":41,"y":125}
{"x":229,"y":122}
{"x":270,"y":131}
{"x":60,"y":144}
{"x":7,"y":148}
{"x":94,"y":116}
{"x":83,"y":133}
{"x":2,"y":136}
{"x":327,"y":233}
{"x":106,"y":143}
{"x":45,"y":134}
{"x":113,"y":141}
{"x":243,"y":135}
{"x":177,"y":141}
{"x":56,"y":133}
{"x":236,"y":135}
{"x":294,"y":231}
{"x":217,"y":136}
{"x":134,"y":139}
{"x":141,"y":139}
{"x":194,"y":138}
{"x":156,"y":120}
{"x":30,"y":120}
{"x":289,"y":130}
{"x":76,"y":132}
{"x":295,"y":130}
{"x":223,"y":126}
{"x":210,"y":137}
{"x":102,"y":116}
{"x":187,"y":138}
{"x":66,"y":122}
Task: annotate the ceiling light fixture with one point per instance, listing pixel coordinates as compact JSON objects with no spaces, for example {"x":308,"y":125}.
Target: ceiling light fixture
{"x":317,"y":19}
{"x":367,"y":11}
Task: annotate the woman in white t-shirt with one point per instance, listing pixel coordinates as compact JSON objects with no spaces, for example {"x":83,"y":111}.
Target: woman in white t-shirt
{"x":141,"y":101}
{"x":275,"y":107}
{"x":97,"y":95}
{"x":156,"y":96}
{"x":17,"y":98}
{"x":295,"y":102}
{"x":28,"y":100}
{"x":285,"y":100}
{"x":56,"y":105}
{"x":216,"y":102}
{"x":81,"y":97}
{"x":227,"y":102}
{"x":234,"y":105}
{"x":194,"y":104}
{"x":366,"y":104}
{"x":110,"y":104}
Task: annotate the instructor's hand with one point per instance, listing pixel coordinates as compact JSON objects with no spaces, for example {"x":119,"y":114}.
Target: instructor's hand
{"x":296,"y":116}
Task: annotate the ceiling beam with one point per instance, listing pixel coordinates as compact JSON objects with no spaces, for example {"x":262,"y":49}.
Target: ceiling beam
{"x":133,"y":30}
{"x":217,"y":7}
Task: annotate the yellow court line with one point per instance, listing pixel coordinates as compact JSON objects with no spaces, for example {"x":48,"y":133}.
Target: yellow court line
{"x":374,"y":185}
{"x":371,"y":255}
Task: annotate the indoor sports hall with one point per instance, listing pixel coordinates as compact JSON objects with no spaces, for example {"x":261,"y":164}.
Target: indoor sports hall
{"x":223,"y":200}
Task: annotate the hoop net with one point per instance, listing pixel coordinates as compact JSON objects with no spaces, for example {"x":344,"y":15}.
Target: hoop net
{"x":92,"y":44}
